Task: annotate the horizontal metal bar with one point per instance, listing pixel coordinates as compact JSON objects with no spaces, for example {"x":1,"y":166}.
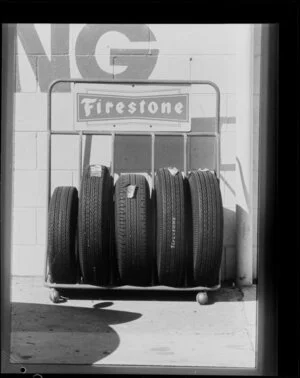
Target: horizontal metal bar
{"x":133,"y":82}
{"x":96,"y":132}
{"x":147,"y":288}
{"x":59,"y":132}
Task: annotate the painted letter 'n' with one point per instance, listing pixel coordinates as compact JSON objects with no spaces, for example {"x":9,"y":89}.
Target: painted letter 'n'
{"x":46,"y":70}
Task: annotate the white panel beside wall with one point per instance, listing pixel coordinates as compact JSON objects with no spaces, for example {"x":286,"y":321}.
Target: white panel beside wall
{"x":229,"y":192}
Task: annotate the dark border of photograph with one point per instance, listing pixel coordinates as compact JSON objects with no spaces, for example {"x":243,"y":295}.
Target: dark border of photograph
{"x":278,"y":223}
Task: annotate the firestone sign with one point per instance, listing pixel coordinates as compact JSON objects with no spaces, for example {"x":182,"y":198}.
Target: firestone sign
{"x":100,"y":107}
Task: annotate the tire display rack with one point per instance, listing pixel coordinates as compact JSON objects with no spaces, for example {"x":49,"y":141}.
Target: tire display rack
{"x":55,"y":288}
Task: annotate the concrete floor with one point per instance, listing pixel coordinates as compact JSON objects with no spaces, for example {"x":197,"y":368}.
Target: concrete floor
{"x":133,"y":328}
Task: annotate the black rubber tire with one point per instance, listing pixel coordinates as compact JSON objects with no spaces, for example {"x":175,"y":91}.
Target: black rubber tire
{"x":189,"y":236}
{"x":155,"y":281}
{"x":132,"y":231}
{"x":62,"y":225}
{"x":170,"y":228}
{"x":94,"y":226}
{"x":115,"y":278}
{"x":207,"y":218}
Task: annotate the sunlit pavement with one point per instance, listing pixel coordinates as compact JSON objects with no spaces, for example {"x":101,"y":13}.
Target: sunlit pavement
{"x":133,"y":328}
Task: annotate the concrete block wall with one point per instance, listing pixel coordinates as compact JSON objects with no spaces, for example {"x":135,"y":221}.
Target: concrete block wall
{"x":47,"y":52}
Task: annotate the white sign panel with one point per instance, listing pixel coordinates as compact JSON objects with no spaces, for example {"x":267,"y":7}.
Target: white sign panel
{"x":130,"y":109}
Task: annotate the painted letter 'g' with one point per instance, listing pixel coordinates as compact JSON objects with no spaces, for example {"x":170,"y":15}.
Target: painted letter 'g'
{"x":139,"y":62}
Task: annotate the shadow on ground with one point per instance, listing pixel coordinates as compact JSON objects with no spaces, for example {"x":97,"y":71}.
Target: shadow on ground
{"x":225,"y":294}
{"x":83,"y":332}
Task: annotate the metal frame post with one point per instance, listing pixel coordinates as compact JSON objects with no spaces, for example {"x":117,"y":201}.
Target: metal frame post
{"x":185,"y":154}
{"x":79,"y":161}
{"x":153,"y":160}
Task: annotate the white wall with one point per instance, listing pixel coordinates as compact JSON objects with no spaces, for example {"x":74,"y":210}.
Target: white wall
{"x":199,"y":52}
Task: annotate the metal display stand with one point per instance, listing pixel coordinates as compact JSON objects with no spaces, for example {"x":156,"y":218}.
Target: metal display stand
{"x":202,"y":291}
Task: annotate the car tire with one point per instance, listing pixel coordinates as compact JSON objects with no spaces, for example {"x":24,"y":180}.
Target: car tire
{"x":132,"y":230}
{"x":62,"y":225}
{"x":170,"y":228}
{"x":94,"y":225}
{"x":207,"y":220}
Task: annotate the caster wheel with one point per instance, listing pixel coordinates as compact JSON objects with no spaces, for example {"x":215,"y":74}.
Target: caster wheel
{"x":54,"y":296}
{"x":202,"y":298}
